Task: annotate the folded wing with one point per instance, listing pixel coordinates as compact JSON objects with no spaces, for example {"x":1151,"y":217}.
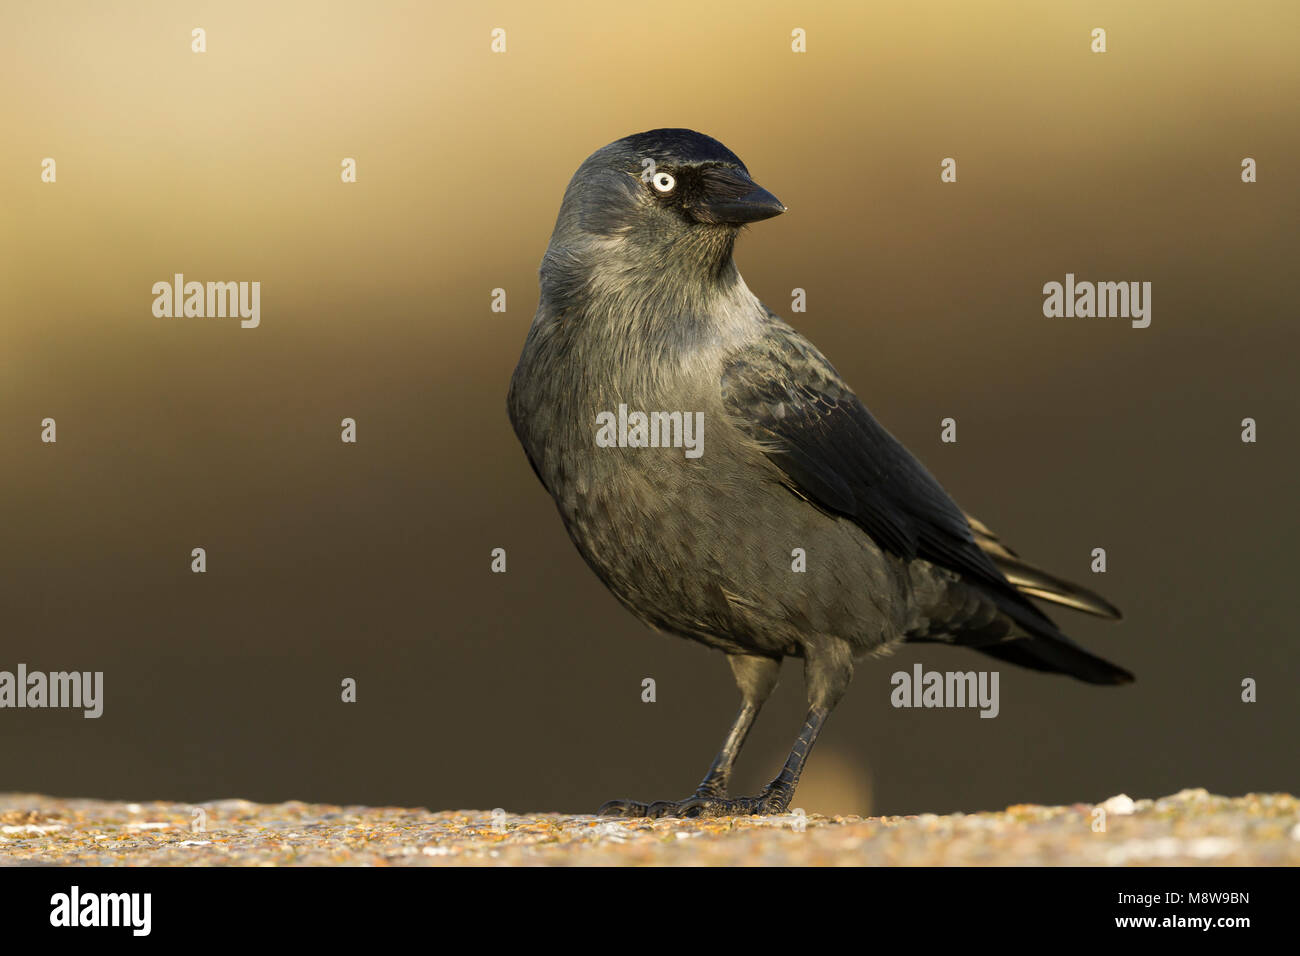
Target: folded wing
{"x":783,"y":393}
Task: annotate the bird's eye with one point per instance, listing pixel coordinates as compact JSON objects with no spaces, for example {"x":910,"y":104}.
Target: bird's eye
{"x":663,"y":182}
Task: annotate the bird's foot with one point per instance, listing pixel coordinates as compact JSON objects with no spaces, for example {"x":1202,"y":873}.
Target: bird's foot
{"x":703,"y":803}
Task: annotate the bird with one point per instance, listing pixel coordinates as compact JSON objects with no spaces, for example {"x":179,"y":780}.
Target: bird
{"x":643,"y":312}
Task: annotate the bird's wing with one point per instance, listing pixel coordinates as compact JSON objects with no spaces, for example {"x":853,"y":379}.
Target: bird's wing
{"x":783,"y":393}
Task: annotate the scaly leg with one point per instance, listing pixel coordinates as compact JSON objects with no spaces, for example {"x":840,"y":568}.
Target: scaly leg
{"x":756,"y":677}
{"x":828,"y":668}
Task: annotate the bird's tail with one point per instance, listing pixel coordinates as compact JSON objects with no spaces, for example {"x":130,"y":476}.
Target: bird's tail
{"x":1043,"y":647}
{"x":1036,"y":583}
{"x":1058,"y":654}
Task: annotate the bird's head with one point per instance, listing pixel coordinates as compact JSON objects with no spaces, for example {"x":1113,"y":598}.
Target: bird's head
{"x":660,"y":208}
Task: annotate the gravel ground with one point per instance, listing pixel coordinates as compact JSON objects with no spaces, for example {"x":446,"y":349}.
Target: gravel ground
{"x":1188,"y":828}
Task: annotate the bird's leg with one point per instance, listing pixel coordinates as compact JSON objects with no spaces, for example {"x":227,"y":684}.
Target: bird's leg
{"x":776,"y":796}
{"x":756,"y":677}
{"x":828,"y":668}
{"x":718,"y":778}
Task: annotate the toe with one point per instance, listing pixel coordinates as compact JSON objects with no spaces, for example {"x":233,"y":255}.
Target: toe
{"x":664,"y":808}
{"x":693,"y":807}
{"x":622,"y":808}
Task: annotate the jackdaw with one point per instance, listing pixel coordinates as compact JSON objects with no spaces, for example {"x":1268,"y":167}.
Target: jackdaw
{"x":644,"y":327}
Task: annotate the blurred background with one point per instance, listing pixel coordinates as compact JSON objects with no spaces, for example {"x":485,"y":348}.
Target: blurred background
{"x":371,"y":561}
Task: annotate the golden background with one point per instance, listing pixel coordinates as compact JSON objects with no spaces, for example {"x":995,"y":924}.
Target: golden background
{"x":371,"y":561}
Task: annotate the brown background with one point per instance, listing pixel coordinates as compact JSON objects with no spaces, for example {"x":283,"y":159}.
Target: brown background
{"x":371,"y":561}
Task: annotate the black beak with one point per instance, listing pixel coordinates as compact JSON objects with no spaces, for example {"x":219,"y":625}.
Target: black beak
{"x":732,"y":198}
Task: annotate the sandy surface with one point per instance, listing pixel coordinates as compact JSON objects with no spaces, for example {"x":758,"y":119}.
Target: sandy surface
{"x":1189,"y":828}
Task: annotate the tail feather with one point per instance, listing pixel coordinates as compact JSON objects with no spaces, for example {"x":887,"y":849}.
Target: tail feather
{"x":1058,"y":656}
{"x":1041,"y":646}
{"x":1036,"y":583}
